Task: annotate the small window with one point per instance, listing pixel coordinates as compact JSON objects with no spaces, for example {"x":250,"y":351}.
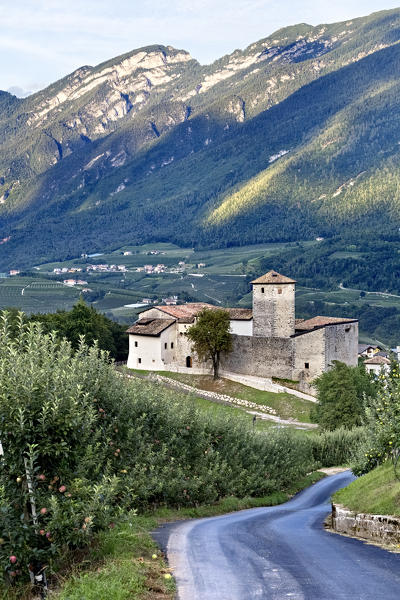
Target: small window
{"x":347,"y":328}
{"x":262,"y":290}
{"x":172,"y":345}
{"x":136,"y":344}
{"x":279,"y":290}
{"x":165,"y":346}
{"x":181,"y":333}
{"x":139,"y":360}
{"x":306,"y":365}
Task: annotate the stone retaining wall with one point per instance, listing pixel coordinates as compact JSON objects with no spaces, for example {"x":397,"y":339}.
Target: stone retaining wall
{"x":376,"y":528}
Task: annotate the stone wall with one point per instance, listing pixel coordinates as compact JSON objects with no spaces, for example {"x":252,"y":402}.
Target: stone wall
{"x":341,"y":343}
{"x":310,"y":350}
{"x":273,"y":310}
{"x":262,"y":357}
{"x":376,"y":528}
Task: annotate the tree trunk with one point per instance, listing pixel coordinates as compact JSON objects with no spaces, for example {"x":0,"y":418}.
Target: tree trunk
{"x":216,"y":365}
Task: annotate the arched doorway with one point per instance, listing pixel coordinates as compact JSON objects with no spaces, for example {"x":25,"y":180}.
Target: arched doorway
{"x":189,"y":362}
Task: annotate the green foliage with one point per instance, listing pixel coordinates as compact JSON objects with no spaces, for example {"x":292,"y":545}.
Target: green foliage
{"x":383,"y":424}
{"x":86,"y":321}
{"x":54,"y":431}
{"x":221,"y":188}
{"x":377,"y":492}
{"x":338,"y":447}
{"x":342,"y":394}
{"x":211,"y":336}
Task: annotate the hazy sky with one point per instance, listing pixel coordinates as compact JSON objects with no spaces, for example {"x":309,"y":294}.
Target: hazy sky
{"x":43,"y":40}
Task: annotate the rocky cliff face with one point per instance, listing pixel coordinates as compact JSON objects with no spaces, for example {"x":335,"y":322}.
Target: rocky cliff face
{"x":149,"y":141}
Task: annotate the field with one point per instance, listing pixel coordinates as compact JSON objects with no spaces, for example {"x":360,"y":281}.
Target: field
{"x":221,"y":279}
{"x":285,"y":406}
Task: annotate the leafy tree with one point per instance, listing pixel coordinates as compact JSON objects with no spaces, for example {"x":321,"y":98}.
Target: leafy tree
{"x":84,"y":320}
{"x":210,"y":336}
{"x":58,"y":481}
{"x":341,"y":396}
{"x":382,"y":423}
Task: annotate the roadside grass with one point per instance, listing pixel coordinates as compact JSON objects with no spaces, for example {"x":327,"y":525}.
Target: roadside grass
{"x":285,"y":405}
{"x":119,"y":564}
{"x":377,"y":492}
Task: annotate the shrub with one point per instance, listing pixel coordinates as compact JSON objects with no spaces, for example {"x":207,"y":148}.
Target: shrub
{"x":338,"y":447}
{"x":382,"y":423}
{"x":341,"y":396}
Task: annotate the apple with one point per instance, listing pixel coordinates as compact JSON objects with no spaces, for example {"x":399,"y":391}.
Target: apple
{"x":43,"y":511}
{"x":62,"y":489}
{"x":13,"y":559}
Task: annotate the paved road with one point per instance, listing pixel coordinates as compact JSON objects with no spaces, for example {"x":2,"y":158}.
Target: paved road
{"x":277,"y":553}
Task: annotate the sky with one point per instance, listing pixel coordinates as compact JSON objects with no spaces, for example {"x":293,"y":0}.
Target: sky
{"x":44,"y":40}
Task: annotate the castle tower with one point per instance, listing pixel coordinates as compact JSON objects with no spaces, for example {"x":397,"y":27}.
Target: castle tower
{"x":273,"y":305}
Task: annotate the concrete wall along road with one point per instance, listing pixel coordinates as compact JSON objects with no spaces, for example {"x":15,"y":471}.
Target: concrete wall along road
{"x":376,"y":528}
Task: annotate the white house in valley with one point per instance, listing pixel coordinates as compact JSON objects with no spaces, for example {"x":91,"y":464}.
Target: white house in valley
{"x":377,"y":365}
{"x":267,"y":341}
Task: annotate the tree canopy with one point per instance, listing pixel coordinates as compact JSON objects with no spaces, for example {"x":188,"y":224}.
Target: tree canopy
{"x":211,"y":336}
{"x":341,"y":396}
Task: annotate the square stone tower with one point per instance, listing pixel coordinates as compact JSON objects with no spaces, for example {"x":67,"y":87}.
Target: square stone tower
{"x":273,"y":305}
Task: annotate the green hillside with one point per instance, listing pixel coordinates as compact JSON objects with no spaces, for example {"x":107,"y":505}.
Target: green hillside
{"x":293,"y":138}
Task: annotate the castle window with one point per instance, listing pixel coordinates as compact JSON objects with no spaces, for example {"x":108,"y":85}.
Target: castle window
{"x":136,"y":344}
{"x":306,"y":365}
{"x":262,"y":290}
{"x":279,"y":290}
{"x":139,"y":360}
{"x":347,"y":328}
{"x":165,"y":346}
{"x":172,"y":345}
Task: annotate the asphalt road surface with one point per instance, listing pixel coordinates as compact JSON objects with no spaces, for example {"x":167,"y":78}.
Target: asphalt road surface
{"x":279,"y":552}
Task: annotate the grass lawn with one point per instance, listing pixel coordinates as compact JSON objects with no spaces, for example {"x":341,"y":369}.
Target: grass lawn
{"x":285,"y":405}
{"x":120,"y":563}
{"x":377,"y":492}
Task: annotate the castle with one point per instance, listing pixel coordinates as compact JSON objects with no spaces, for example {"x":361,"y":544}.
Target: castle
{"x":267,"y":341}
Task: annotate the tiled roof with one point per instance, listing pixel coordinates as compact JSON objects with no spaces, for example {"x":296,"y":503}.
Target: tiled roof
{"x":377,"y":360}
{"x":240,"y":314}
{"x":363,"y":347}
{"x":317,"y":322}
{"x":273,"y":277}
{"x":153,"y":327}
{"x":185,"y":311}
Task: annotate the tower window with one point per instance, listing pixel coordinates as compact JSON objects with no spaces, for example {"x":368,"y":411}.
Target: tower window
{"x":136,"y":344}
{"x":165,"y":345}
{"x":139,"y":360}
{"x":279,"y":290}
{"x":306,"y":365}
{"x":172,"y":345}
{"x":262,"y":290}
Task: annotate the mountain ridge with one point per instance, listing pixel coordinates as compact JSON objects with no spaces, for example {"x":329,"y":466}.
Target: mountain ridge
{"x":288,"y":139}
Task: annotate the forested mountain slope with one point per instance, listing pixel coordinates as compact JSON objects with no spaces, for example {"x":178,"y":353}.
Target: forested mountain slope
{"x":295,"y":137}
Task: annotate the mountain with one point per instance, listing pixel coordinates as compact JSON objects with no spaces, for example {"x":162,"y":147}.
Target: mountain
{"x":296,"y":136}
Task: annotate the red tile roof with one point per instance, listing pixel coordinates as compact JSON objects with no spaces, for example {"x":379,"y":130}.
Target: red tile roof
{"x":377,"y":360}
{"x":152,"y":327}
{"x":317,"y":322}
{"x":240,"y":314}
{"x":272,"y":277}
{"x":185,"y":311}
